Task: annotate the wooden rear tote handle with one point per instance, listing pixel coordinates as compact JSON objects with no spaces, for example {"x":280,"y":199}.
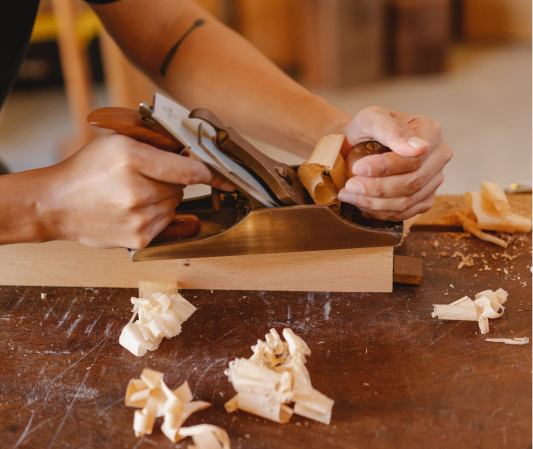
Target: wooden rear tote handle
{"x":129,"y":122}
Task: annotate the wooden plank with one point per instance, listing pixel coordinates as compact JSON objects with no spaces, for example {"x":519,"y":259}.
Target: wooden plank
{"x":399,"y":378}
{"x":441,"y":217}
{"x":74,"y":265}
{"x":407,"y":270}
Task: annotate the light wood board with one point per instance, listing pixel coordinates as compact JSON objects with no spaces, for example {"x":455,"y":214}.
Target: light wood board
{"x":70,"y":264}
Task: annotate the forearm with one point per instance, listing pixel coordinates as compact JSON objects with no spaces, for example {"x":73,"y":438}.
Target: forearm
{"x":227,"y":75}
{"x":214,"y":67}
{"x":25,"y":216}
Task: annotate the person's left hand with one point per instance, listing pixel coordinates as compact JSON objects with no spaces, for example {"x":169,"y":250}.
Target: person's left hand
{"x":400,"y":184}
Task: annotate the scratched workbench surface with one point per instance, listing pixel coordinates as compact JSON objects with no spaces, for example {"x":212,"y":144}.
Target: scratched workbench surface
{"x":399,"y":378}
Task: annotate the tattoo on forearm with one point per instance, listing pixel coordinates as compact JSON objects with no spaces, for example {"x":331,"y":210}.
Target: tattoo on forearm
{"x":172,"y":52}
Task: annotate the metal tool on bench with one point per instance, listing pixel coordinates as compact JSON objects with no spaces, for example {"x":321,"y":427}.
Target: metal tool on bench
{"x":270,"y":212}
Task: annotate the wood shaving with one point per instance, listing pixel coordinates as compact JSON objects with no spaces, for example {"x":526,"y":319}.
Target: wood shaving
{"x":154,"y":397}
{"x":326,"y":157}
{"x":465,"y":260}
{"x":493,"y":213}
{"x":435,"y":244}
{"x":460,"y":235}
{"x":206,"y":436}
{"x":474,"y":229}
{"x":487,"y":304}
{"x":275,"y":377}
{"x":159,"y":316}
{"x":489,"y":218}
{"x":510,"y":341}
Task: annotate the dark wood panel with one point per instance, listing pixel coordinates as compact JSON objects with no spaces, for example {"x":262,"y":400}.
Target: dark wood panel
{"x":431,"y":384}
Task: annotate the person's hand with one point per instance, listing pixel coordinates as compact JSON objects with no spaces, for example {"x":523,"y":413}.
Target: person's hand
{"x":117,"y":191}
{"x":399,"y":184}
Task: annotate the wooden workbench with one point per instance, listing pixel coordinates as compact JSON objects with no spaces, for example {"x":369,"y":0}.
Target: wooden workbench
{"x":399,"y":378}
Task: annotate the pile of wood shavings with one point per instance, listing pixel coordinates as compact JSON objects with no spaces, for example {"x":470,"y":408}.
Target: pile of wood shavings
{"x":160,"y":316}
{"x":274,"y":377}
{"x":488,"y":304}
{"x":152,"y":395}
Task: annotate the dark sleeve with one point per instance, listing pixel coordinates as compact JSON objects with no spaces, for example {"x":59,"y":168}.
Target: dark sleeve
{"x":16,"y":23}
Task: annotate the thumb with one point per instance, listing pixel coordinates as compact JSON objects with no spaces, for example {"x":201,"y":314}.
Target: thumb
{"x":222,"y":184}
{"x":176,"y":169}
{"x":381,"y":125}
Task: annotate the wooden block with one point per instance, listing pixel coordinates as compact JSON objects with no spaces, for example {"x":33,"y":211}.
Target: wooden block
{"x":70,"y":264}
{"x":407,"y":270}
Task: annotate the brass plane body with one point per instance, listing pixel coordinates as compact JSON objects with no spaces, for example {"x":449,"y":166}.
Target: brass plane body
{"x":240,"y":229}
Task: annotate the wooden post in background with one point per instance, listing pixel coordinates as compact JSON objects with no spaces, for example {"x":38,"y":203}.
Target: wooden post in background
{"x":497,"y":20}
{"x":421,"y":35}
{"x":341,"y":42}
{"x":270,"y":26}
{"x":126,"y":85}
{"x":75,"y":67}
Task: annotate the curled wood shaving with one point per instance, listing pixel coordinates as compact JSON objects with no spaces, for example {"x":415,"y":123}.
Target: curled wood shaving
{"x":275,"y":377}
{"x":326,"y":157}
{"x":154,"y":397}
{"x":488,"y":304}
{"x":473,"y":228}
{"x":495,"y":194}
{"x":510,"y":341}
{"x":492,"y":212}
{"x":206,"y":436}
{"x":159,"y":316}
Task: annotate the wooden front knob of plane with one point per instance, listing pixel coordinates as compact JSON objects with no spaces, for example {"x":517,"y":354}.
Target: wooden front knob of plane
{"x":360,"y":151}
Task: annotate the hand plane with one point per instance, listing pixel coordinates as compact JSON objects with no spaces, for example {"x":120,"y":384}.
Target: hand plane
{"x":270,"y":211}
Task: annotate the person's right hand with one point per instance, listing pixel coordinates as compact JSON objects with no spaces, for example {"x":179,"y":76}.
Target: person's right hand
{"x":117,"y":191}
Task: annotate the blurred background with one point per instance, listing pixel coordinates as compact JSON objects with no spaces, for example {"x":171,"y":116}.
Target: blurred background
{"x":465,"y":63}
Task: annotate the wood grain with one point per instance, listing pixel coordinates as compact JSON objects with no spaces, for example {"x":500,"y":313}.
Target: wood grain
{"x":74,"y":265}
{"x":130,"y":123}
{"x":407,"y":270}
{"x":399,"y":378}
